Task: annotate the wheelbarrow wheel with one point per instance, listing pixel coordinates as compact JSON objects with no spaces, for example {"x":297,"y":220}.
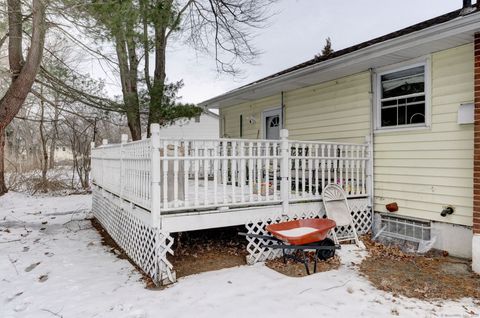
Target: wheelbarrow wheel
{"x":326,"y":254}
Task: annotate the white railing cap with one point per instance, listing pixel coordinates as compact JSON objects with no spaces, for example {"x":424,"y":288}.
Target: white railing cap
{"x":154,"y":128}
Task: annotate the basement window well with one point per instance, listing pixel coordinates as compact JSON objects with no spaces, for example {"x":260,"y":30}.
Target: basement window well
{"x":405,"y":229}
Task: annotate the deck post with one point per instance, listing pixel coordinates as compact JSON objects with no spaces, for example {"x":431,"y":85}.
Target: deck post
{"x":369,"y":169}
{"x":90,"y":173}
{"x":284,"y":171}
{"x":123,"y":141}
{"x":104,"y":143}
{"x":155,"y":177}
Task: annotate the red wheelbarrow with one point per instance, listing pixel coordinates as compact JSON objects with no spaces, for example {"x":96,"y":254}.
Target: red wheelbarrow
{"x":300,"y":235}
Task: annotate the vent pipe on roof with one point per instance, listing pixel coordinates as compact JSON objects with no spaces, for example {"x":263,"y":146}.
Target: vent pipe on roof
{"x":468,"y":8}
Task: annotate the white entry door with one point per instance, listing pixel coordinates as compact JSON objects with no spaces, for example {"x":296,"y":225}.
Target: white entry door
{"x":272,"y":123}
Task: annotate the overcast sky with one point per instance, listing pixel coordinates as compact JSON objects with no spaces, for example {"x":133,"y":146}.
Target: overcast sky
{"x":296,"y":34}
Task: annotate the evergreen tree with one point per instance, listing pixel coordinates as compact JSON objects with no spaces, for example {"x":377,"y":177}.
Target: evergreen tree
{"x":327,"y":49}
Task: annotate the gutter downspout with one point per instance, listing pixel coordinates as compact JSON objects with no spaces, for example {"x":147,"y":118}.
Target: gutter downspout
{"x":372,"y":127}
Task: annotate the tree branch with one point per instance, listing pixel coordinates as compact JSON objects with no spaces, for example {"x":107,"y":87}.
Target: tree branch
{"x":177,"y":19}
{"x":3,"y":39}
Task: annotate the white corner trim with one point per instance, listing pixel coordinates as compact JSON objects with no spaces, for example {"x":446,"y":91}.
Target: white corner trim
{"x":476,"y":253}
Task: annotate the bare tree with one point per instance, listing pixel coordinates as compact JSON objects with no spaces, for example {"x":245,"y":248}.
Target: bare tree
{"x":139,"y":28}
{"x":43,"y":140}
{"x":53,"y":144}
{"x":23,"y":71}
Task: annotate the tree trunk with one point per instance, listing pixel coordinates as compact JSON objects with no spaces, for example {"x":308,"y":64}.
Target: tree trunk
{"x":3,"y":186}
{"x":43,"y":140}
{"x":146,"y":48}
{"x":23,"y":73}
{"x":128,"y":65}
{"x":15,"y":31}
{"x":74,"y":154}
{"x":157,"y":91}
{"x":53,"y":144}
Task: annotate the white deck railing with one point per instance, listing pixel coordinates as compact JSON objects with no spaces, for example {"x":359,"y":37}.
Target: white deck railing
{"x":125,"y":170}
{"x":173,"y":175}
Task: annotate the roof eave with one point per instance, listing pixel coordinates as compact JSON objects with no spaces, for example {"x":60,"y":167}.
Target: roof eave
{"x":458,"y":25}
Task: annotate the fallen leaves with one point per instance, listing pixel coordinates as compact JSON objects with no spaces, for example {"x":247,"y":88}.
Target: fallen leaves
{"x":425,"y":277}
{"x":207,"y":250}
{"x":295,"y":269}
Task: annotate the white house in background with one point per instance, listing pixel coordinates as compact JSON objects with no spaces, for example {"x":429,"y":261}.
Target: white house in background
{"x":207,"y":126}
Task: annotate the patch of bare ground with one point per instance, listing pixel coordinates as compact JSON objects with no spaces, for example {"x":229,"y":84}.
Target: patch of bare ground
{"x":114,"y":248}
{"x":431,"y":276}
{"x":208,"y":250}
{"x":296,"y":269}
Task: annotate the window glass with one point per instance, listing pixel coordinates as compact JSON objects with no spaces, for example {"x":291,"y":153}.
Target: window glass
{"x":402,"y":99}
{"x":404,"y":82}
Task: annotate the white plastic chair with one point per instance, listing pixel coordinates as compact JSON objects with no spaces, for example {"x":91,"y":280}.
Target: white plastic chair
{"x":337,"y":209}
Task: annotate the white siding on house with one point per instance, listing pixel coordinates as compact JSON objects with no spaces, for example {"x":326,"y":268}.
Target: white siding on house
{"x":425,"y":170}
{"x":208,"y":127}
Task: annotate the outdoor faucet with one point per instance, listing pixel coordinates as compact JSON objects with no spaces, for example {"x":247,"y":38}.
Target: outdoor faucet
{"x":447,"y":211}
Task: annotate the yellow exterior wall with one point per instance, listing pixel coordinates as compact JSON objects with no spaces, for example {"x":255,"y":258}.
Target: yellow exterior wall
{"x":231,"y":117}
{"x":421,"y":170}
{"x":333,"y":111}
{"x":336,"y":110}
{"x":424,"y":170}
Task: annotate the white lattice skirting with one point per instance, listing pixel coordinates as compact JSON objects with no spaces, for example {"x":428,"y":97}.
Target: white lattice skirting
{"x":361,"y":213}
{"x":131,"y":229}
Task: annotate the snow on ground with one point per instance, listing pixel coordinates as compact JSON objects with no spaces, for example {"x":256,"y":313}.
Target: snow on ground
{"x":60,"y":269}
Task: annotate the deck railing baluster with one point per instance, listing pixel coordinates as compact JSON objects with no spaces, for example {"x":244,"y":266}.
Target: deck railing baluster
{"x":251,"y":171}
{"x":259,"y":170}
{"x":195,"y":173}
{"x":224,"y":170}
{"x":275,"y":169}
{"x":236,"y":172}
{"x":296,"y":170}
{"x":186,"y":173}
{"x":233,"y":163}
{"x":215,"y":177}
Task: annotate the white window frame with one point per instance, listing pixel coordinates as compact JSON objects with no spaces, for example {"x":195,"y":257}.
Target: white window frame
{"x":425,"y":62}
{"x":264,"y":117}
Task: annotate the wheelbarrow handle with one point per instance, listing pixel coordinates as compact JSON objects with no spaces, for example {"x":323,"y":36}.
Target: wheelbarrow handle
{"x":302,"y":247}
{"x":265,"y":237}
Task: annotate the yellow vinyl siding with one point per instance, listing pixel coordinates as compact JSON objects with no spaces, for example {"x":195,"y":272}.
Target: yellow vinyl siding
{"x":231,"y":117}
{"x":427,"y":169}
{"x":422,"y":170}
{"x":335,"y":111}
